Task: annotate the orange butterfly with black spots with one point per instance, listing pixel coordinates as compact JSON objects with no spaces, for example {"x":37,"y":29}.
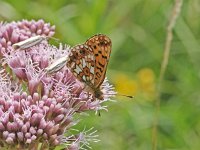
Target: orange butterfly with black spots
{"x":88,"y":62}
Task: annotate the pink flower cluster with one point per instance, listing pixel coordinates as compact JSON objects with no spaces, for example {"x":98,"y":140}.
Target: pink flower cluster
{"x":37,"y":109}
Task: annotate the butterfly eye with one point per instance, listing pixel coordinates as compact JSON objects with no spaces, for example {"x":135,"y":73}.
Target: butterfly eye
{"x":99,"y":95}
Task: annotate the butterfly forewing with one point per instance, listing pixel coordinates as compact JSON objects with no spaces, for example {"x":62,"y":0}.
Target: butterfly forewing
{"x":101,"y":46}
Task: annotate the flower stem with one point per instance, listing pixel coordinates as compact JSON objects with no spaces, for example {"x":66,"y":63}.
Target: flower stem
{"x":169,"y":36}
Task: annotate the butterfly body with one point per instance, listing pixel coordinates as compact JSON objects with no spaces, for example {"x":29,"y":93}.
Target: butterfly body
{"x":88,"y":62}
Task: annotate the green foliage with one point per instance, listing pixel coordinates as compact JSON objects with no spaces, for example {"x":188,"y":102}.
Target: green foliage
{"x":138,"y":31}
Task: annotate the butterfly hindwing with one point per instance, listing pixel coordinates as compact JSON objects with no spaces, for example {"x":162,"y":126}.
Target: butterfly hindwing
{"x":82,"y":63}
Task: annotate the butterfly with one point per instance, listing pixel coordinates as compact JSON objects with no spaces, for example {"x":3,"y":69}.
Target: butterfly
{"x":88,"y":62}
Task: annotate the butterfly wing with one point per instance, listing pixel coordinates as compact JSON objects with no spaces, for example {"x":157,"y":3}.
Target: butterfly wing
{"x":88,"y":62}
{"x":101,"y":48}
{"x":81,"y":63}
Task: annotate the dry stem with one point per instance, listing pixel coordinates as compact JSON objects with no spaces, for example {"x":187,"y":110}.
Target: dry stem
{"x":169,"y":36}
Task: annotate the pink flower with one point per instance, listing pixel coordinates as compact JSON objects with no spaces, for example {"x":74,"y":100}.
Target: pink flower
{"x":15,"y":32}
{"x":35,"y":107}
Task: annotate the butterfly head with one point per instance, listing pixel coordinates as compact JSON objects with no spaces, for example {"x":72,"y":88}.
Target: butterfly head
{"x":98,"y":94}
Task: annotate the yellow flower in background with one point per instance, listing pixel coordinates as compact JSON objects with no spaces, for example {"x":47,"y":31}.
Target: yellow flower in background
{"x":142,"y":84}
{"x":125,"y":85}
{"x":146,"y":80}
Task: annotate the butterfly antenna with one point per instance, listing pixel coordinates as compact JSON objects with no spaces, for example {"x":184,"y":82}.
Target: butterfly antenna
{"x":128,"y":96}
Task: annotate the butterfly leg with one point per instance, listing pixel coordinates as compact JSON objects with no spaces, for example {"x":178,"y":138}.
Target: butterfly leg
{"x":99,"y":113}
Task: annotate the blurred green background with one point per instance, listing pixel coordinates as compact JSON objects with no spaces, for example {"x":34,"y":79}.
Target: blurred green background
{"x":138,"y":31}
